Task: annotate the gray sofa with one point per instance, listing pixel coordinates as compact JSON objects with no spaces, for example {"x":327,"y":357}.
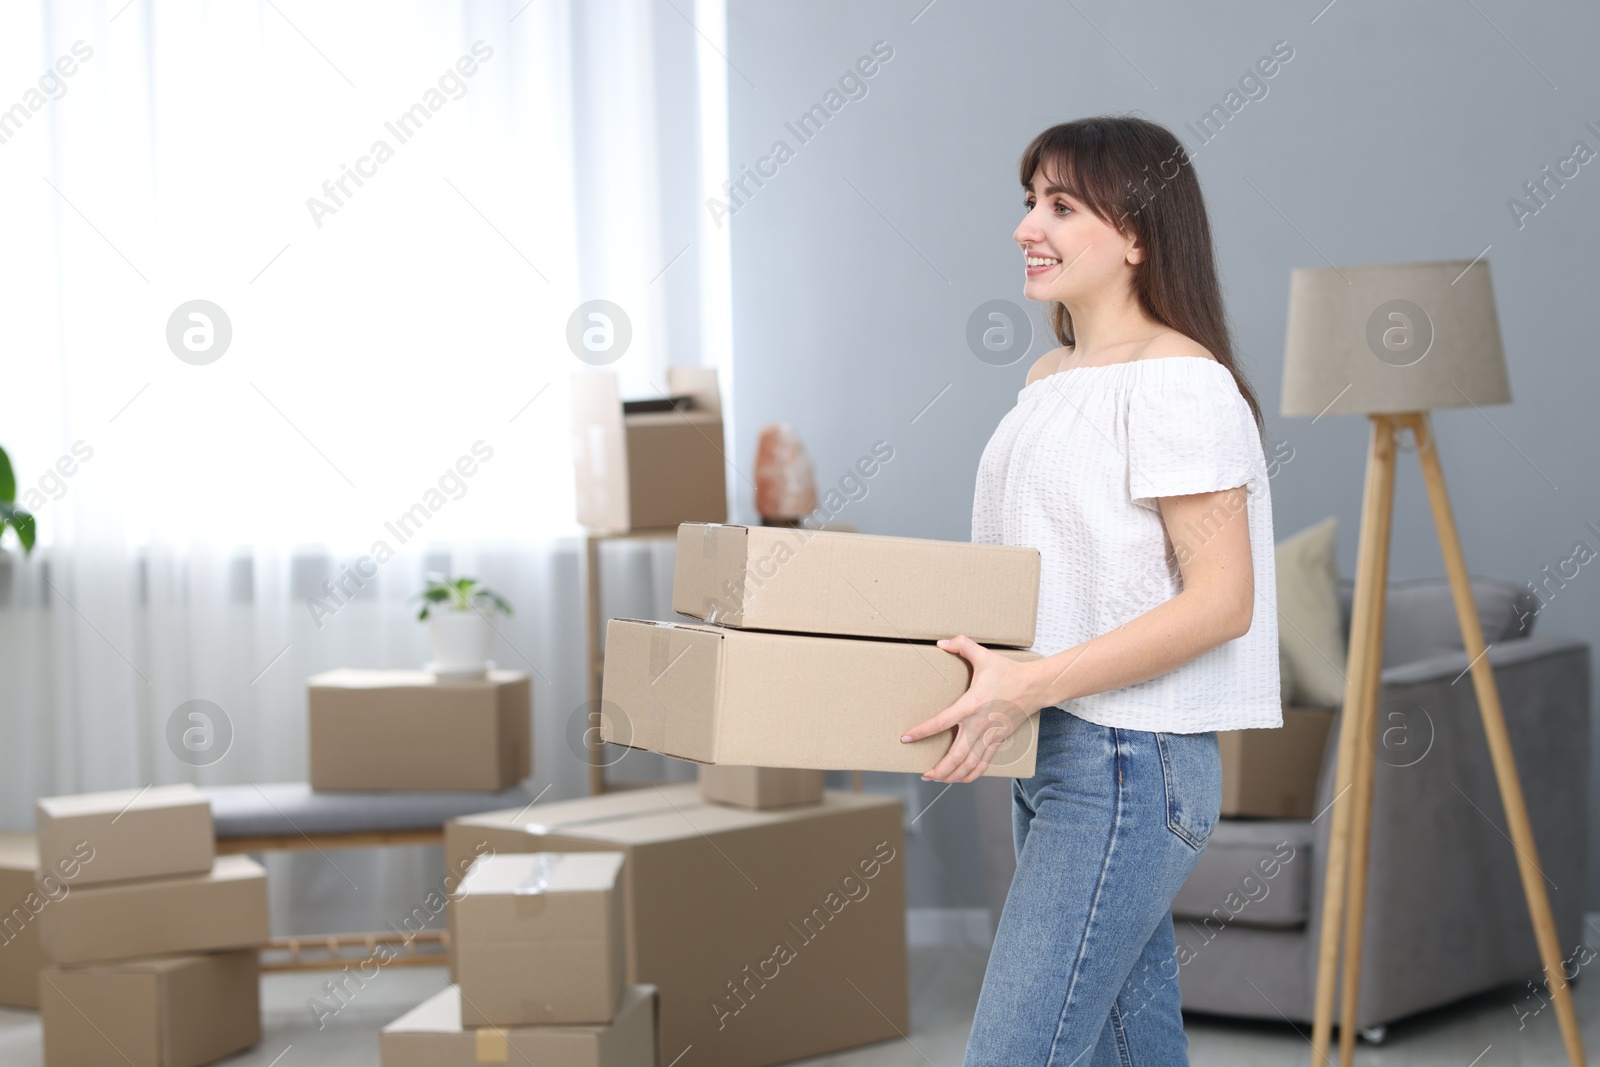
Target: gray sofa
{"x":1445,"y":911}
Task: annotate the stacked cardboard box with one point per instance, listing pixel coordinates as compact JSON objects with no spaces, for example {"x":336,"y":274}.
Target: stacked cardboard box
{"x":815,"y":649}
{"x":539,"y":968}
{"x":770,"y":935}
{"x":154,"y":937}
{"x":410,"y":730}
{"x":25,"y":891}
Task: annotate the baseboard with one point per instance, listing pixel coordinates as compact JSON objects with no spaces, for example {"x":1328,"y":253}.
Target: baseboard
{"x":949,"y":927}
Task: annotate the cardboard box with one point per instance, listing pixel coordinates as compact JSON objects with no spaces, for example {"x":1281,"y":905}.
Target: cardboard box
{"x":715,"y":695}
{"x":432,"y":1035}
{"x":650,"y":470}
{"x":153,"y":832}
{"x":1272,"y":774}
{"x":761,"y":787}
{"x":223,"y":909}
{"x":407,"y":730}
{"x":175,"y":1011}
{"x":539,"y":939}
{"x":22,"y":956}
{"x":812,"y":581}
{"x":748,"y":922}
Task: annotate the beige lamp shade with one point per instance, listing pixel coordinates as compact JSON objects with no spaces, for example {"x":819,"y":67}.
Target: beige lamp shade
{"x":1391,"y":338}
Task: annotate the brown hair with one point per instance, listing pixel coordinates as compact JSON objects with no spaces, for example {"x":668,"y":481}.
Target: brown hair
{"x":1137,"y":176}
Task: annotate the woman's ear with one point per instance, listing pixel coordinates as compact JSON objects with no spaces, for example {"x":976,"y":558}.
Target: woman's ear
{"x":1135,"y":253}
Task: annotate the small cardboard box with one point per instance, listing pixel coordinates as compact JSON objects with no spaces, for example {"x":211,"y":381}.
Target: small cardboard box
{"x":173,"y":1011}
{"x":1272,"y":774}
{"x":224,"y":908}
{"x":22,"y":956}
{"x":761,"y":787}
{"x":648,"y":470}
{"x":856,"y":585}
{"x":433,"y":1035}
{"x":408,"y":730}
{"x":154,"y":832}
{"x":715,"y":695}
{"x":748,"y":922}
{"x":540,"y":939}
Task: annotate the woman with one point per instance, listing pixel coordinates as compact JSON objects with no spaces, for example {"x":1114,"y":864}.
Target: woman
{"x":1133,"y":462}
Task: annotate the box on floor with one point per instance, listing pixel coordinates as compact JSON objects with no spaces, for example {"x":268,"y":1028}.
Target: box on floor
{"x":725,"y":911}
{"x":116,"y":836}
{"x":717,"y":695}
{"x":539,"y":939}
{"x":25,"y":892}
{"x":172,"y":1011}
{"x":1272,"y":774}
{"x":800,"y":580}
{"x":432,"y":1035}
{"x":391,"y":729}
{"x":760,"y":787}
{"x":224,"y":908}
{"x":647,"y":470}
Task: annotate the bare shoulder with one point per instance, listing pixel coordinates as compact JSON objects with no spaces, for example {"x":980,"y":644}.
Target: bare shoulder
{"x":1048,"y":363}
{"x":1172,"y":343}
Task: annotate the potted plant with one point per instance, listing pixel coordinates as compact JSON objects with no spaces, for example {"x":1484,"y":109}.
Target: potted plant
{"x":11,"y":516}
{"x":459,"y":628}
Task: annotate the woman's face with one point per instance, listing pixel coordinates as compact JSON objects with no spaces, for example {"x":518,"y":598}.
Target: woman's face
{"x":1070,"y":253}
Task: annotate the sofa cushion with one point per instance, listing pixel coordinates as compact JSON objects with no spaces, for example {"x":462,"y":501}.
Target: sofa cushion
{"x":1420,"y":615}
{"x":1254,"y":872}
{"x":1307,"y":577}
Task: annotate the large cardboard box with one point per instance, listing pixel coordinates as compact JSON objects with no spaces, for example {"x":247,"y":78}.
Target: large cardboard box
{"x":432,"y":1035}
{"x":408,"y":730}
{"x":1272,"y":774}
{"x":815,"y":581}
{"x":539,"y":939}
{"x":152,"y":832}
{"x":648,"y":470}
{"x":771,"y":935}
{"x":715,"y":695}
{"x":224,"y":908}
{"x":22,"y":956}
{"x":761,"y":787}
{"x":174,"y":1011}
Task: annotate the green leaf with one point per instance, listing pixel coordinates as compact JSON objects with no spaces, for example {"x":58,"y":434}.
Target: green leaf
{"x":20,"y":521}
{"x":8,"y":479}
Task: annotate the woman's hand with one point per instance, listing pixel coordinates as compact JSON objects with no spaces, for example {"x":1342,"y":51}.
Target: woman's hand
{"x":998,"y":701}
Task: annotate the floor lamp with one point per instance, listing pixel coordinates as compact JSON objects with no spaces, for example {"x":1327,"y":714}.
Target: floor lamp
{"x":1393,"y":342}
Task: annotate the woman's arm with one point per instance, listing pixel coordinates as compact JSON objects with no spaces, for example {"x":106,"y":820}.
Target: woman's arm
{"x":1210,"y":534}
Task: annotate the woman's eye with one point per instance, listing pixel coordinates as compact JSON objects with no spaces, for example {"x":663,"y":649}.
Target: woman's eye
{"x":1027,"y":204}
{"x":1062,"y":207}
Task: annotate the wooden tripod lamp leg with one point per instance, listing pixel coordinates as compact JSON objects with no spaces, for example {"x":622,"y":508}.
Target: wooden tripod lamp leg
{"x":1494,"y":727}
{"x":1366,"y":747}
{"x":1366,"y":612}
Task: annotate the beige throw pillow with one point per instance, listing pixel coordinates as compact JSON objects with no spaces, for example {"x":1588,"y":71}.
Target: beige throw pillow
{"x":1309,"y":632}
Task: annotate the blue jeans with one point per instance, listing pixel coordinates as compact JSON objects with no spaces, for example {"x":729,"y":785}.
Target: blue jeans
{"x":1084,"y":968}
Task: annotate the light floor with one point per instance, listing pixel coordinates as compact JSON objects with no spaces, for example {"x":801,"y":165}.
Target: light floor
{"x":944,"y":989}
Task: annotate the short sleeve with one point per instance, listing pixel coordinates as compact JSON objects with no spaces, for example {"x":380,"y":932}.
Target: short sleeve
{"x":1189,"y":433}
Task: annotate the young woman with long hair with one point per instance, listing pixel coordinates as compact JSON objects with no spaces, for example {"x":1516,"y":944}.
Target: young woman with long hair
{"x":1133,"y":462}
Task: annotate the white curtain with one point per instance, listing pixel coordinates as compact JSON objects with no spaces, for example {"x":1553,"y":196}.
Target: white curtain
{"x":396,"y":208}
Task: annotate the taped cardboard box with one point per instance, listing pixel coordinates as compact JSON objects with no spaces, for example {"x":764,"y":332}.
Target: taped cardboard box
{"x":856,"y":585}
{"x":383,"y":730}
{"x":1272,"y":774}
{"x":175,"y":1011}
{"x":22,"y":956}
{"x":748,"y":922}
{"x":648,"y":470}
{"x":154,"y":832}
{"x":761,"y":787}
{"x":539,"y":939}
{"x":224,"y":908}
{"x":432,"y":1035}
{"x":715,"y":695}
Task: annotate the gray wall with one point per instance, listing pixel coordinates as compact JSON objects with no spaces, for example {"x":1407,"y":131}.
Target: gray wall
{"x":1395,"y":133}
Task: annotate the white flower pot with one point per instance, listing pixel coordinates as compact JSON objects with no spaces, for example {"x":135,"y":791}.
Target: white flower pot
{"x":461,"y":641}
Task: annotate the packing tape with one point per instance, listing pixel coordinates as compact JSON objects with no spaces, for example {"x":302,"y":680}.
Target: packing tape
{"x":712,"y":609}
{"x":538,"y":880}
{"x":492,"y":1046}
{"x":708,"y":541}
{"x":658,"y":653}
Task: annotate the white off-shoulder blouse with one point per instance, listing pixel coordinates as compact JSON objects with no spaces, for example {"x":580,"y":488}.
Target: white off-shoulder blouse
{"x":1075,"y":470}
